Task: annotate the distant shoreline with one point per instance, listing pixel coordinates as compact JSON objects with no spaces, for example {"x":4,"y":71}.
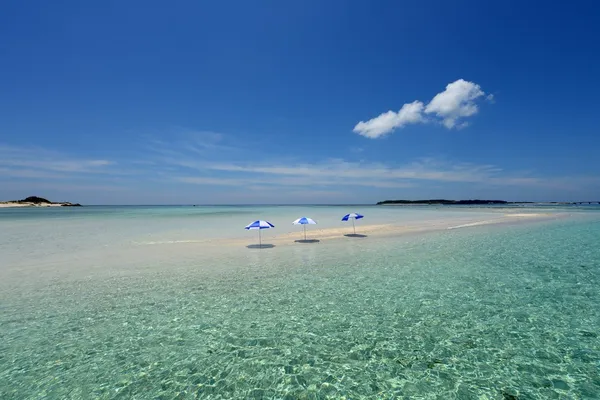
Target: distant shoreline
{"x":444,"y":202}
{"x":37,"y":202}
{"x":34,"y":201}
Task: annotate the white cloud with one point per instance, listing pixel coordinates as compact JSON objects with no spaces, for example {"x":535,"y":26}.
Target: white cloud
{"x":457,"y":101}
{"x":410,"y":113}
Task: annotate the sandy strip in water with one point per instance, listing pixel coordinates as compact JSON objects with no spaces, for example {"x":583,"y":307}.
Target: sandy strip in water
{"x":316,"y":235}
{"x":215,"y":254}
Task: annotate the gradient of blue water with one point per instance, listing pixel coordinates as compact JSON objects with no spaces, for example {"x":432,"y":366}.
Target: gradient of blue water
{"x":485,"y":312}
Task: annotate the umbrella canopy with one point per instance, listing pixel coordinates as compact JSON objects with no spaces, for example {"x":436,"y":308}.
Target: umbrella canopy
{"x":259,"y":225}
{"x":304,"y":221}
{"x":353,"y":217}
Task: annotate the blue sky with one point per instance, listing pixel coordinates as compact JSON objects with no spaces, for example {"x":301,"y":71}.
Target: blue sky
{"x":145,"y":102}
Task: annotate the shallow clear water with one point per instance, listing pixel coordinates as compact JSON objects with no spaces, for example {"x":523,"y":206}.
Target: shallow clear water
{"x":40,"y":235}
{"x":484,"y":312}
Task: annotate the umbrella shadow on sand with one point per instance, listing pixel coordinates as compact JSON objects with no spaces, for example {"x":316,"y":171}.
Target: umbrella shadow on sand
{"x":307,"y":241}
{"x":260,"y":246}
{"x":355,"y":235}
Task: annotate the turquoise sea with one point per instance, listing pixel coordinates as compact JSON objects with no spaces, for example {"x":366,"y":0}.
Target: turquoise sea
{"x":169,"y":303}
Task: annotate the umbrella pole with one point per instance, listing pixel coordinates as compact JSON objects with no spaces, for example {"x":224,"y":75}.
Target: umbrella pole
{"x":259,"y":240}
{"x":353,"y":226}
{"x":304,"y":232}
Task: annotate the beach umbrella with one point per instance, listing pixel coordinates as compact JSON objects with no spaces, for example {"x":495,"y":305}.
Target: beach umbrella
{"x":304,"y":221}
{"x":259,"y":225}
{"x":353,"y":217}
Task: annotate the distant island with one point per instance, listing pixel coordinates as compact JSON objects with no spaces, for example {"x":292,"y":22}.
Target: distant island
{"x":448,"y":202}
{"x":470,"y":202}
{"x":35,"y":201}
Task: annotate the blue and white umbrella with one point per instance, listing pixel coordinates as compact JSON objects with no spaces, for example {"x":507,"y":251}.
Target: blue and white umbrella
{"x":259,"y":225}
{"x":353,"y":217}
{"x":304,"y":221}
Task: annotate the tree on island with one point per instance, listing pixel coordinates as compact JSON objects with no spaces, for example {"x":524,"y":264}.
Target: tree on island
{"x":34,"y":200}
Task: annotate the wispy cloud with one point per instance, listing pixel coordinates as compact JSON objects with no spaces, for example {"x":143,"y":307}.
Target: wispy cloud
{"x":29,"y":161}
{"x":204,"y":180}
{"x":276,"y":180}
{"x":337,"y":172}
{"x":28,"y":173}
{"x":175,"y":161}
{"x":74,"y":188}
{"x":424,"y":169}
{"x":450,"y":107}
{"x":193,"y":142}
